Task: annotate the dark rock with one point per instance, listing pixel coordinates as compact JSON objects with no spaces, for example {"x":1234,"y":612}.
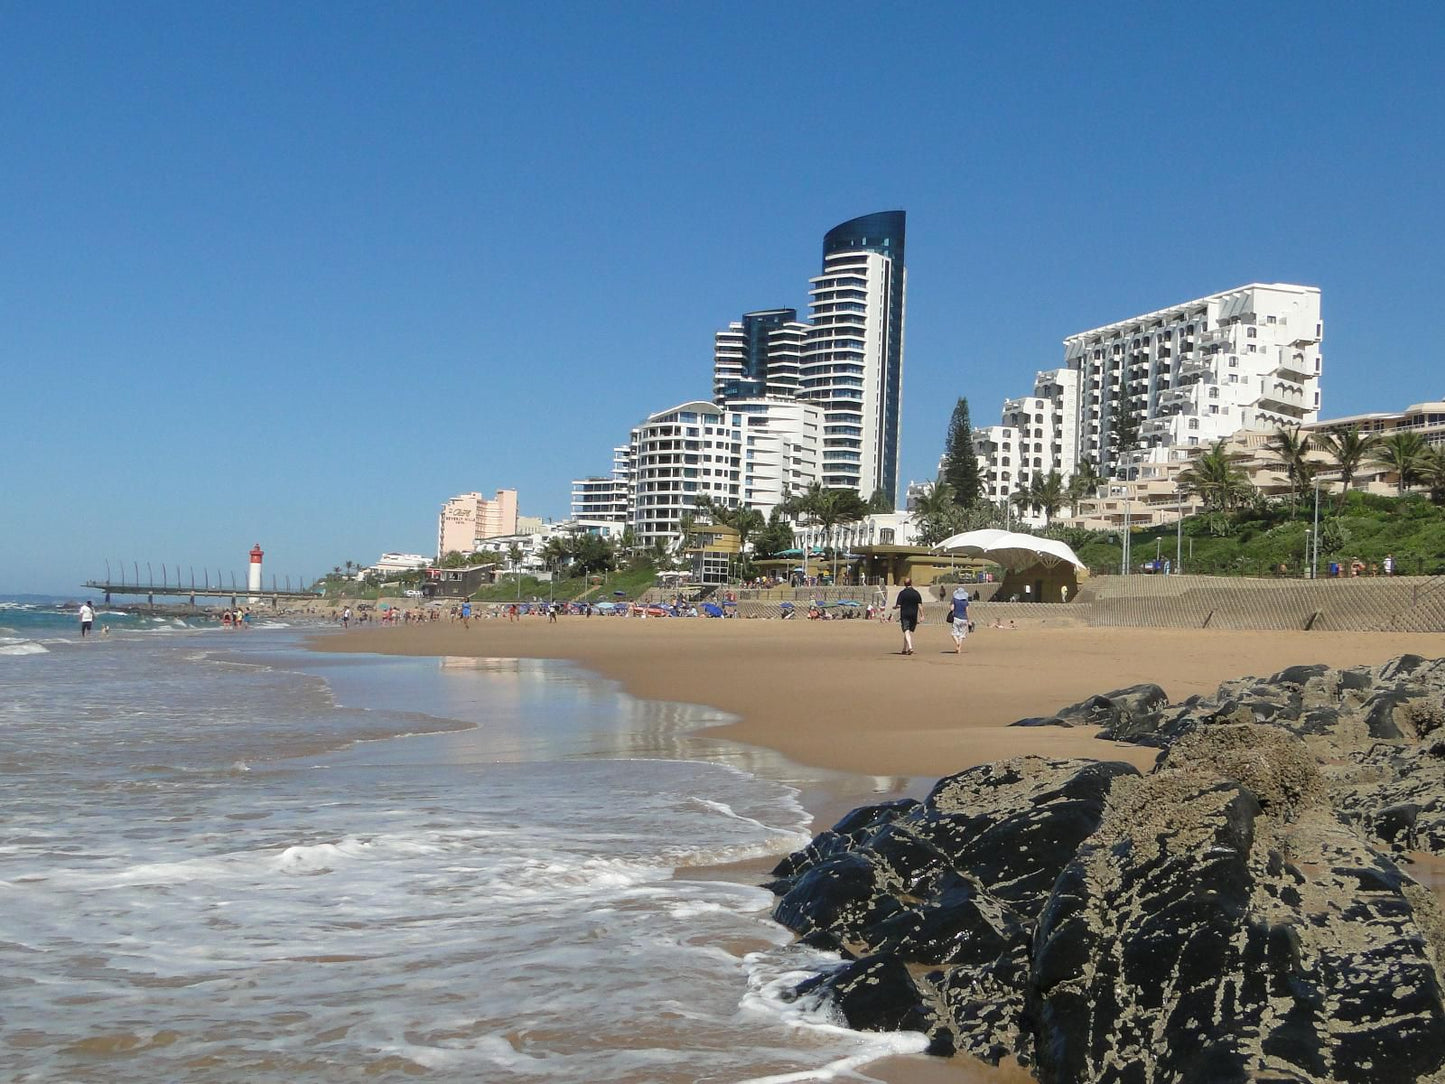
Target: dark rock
{"x":1042,"y":720}
{"x":1235,"y":915}
{"x":1126,"y":713}
{"x":958,"y":925}
{"x":869,"y":818}
{"x":875,"y":993}
{"x":824,"y":846}
{"x":841,"y":896}
{"x":1403,"y":666}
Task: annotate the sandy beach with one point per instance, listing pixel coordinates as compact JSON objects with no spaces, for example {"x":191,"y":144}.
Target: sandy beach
{"x":839,"y":695}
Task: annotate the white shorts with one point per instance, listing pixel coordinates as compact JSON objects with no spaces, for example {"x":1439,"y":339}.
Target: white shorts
{"x":959,"y":629}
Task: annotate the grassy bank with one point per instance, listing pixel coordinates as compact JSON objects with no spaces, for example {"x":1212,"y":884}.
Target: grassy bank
{"x":1274,"y":540}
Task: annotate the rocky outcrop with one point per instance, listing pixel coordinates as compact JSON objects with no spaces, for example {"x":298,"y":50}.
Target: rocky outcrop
{"x":1240,"y":913}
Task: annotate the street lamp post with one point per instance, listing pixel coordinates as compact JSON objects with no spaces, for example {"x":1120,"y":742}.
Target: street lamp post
{"x":1315,"y":560}
{"x":1179,"y":535}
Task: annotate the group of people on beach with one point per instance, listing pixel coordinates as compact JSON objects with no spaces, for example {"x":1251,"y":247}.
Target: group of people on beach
{"x":909,"y":605}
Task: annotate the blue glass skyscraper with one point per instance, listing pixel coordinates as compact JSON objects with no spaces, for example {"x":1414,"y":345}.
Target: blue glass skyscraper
{"x":852,"y":362}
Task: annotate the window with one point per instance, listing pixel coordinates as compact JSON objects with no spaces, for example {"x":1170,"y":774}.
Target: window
{"x":1269,"y":319}
{"x":1252,"y":333}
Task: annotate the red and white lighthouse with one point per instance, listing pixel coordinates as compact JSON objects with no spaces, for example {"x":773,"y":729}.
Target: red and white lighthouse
{"x":253,"y":577}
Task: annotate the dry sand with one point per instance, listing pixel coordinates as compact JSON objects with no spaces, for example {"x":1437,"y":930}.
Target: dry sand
{"x":839,"y":695}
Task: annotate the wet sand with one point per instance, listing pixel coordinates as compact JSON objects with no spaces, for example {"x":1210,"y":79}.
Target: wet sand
{"x":839,"y":695}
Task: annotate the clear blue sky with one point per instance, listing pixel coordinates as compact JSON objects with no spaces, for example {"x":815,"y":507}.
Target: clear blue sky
{"x":297,"y":273}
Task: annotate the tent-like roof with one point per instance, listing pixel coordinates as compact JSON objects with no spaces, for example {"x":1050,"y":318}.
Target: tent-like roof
{"x":1010,"y":549}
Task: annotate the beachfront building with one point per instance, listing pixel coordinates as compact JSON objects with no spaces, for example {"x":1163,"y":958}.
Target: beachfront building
{"x":782,"y":447}
{"x":1198,"y":371}
{"x":392,"y":563}
{"x":1036,"y":435}
{"x":852,"y":362}
{"x":679,"y":455}
{"x":846,"y":360}
{"x":606,"y":497}
{"x":758,"y":356}
{"x":877,"y":529}
{"x":470,"y":517}
{"x":1427,"y":419}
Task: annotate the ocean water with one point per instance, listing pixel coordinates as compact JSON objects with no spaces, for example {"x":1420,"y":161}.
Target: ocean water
{"x":225,"y":858}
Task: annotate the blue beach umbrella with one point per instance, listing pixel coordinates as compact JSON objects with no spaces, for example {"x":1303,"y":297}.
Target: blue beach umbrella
{"x":712,"y":609}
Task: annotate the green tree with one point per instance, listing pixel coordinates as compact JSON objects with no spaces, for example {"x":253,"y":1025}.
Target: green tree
{"x":828,"y":508}
{"x":1430,"y":469}
{"x":960,"y":466}
{"x":938,"y":514}
{"x":1123,"y":435}
{"x":1348,"y":448}
{"x":1047,"y":494}
{"x":1293,"y":448}
{"x":1083,"y":483}
{"x":775,"y":538}
{"x":881,"y":502}
{"x":1400,"y":452}
{"x":1216,"y":477}
{"x":746,"y":521}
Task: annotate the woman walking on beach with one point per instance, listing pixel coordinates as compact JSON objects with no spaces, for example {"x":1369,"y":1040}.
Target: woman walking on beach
{"x":958,"y":619}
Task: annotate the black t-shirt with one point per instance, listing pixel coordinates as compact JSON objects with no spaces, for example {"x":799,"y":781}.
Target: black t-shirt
{"x":908,"y":602}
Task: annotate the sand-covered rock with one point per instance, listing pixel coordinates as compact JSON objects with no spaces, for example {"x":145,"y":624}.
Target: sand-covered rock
{"x":1243,"y":912}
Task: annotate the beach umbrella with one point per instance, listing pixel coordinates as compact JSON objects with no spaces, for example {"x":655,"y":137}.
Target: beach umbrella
{"x":729,"y":602}
{"x":712,"y":609}
{"x":848,"y":602}
{"x":1010,"y":549}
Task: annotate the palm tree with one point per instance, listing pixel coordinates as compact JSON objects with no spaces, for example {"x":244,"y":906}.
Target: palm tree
{"x":1401,"y":452}
{"x":1083,"y":483}
{"x":1348,"y":448}
{"x":1048,"y":494}
{"x":1430,"y":469}
{"x":938,"y":498}
{"x":1293,"y":448}
{"x":1217,"y":478}
{"x":828,"y":508}
{"x":1023,"y":499}
{"x":743,"y":519}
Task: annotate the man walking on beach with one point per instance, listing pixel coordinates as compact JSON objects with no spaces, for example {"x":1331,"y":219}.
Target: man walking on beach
{"x":87,"y":619}
{"x":908,"y":603}
{"x":958,"y":619}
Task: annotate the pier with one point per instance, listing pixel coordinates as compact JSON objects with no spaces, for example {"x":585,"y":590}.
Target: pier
{"x":175,"y":588}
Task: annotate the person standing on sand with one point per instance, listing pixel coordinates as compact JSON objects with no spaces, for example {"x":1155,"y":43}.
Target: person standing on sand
{"x":958,"y":619}
{"x":87,"y":619}
{"x":467,"y":614}
{"x":908,"y":604}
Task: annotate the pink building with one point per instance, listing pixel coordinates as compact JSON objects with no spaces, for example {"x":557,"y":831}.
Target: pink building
{"x":466,"y":519}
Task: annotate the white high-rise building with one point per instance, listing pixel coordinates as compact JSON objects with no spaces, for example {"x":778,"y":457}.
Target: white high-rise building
{"x":782,"y":445}
{"x":1037,"y":434}
{"x":679,"y":455}
{"x":852,"y":364}
{"x":1199,"y":371}
{"x":606,"y":498}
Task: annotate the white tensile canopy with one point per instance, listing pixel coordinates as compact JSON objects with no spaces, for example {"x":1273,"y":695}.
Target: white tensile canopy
{"x":1010,"y":549}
